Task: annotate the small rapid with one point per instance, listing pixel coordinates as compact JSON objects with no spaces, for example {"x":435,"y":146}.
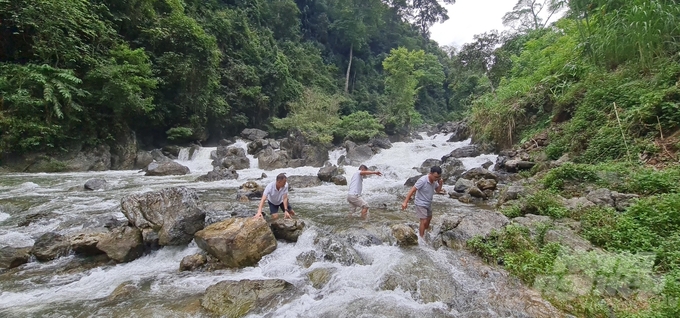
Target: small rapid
{"x":389,"y":281}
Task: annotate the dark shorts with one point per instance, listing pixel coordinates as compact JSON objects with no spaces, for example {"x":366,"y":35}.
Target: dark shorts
{"x":273,"y":208}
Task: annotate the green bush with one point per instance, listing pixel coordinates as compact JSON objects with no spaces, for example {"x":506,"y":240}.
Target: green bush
{"x":179,"y":133}
{"x":360,"y":126}
{"x":541,"y":203}
{"x":580,"y":173}
{"x":598,"y":225}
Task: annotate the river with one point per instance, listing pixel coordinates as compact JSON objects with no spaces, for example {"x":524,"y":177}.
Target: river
{"x":419,"y":281}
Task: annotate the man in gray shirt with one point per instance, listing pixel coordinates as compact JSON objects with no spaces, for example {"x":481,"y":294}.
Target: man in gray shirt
{"x":276,"y":195}
{"x":355,"y":188}
{"x":425,"y":189}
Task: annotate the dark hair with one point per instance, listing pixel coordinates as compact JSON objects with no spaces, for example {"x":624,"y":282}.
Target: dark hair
{"x":281,"y":176}
{"x":436,"y":169}
{"x":363,"y":167}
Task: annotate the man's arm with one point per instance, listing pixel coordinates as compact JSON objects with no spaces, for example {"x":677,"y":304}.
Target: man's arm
{"x":367,"y":172}
{"x":259,"y":209}
{"x":408,"y":198}
{"x":441,"y":185}
{"x":285,"y":206}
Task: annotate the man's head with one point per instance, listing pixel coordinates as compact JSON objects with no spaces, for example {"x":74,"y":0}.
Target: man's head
{"x":435,"y":173}
{"x":363,"y":168}
{"x":281,"y":180}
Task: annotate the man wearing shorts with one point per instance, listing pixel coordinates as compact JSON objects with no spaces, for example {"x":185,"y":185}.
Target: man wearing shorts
{"x":355,"y":188}
{"x":276,"y":195}
{"x":425,"y":189}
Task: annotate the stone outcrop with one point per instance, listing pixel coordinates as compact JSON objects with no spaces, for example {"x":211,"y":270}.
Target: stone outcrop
{"x":85,"y":242}
{"x":253,"y":134}
{"x":303,"y":181}
{"x":269,"y":159}
{"x":166,"y":168}
{"x":404,"y":234}
{"x":235,"y":299}
{"x":327,"y":173}
{"x":237,"y":242}
{"x":457,"y":229}
{"x":173,"y":213}
{"x":219,"y":174}
{"x":122,"y":244}
{"x":11,"y":257}
{"x":357,"y":154}
{"x":228,"y":157}
{"x":50,"y":246}
{"x":287,"y":229}
{"x":95,"y":184}
{"x":192,"y":262}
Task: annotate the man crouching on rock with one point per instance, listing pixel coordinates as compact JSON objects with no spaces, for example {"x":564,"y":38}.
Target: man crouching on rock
{"x":276,"y":194}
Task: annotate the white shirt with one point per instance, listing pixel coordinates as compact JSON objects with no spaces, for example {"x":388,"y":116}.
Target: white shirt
{"x":275,"y":196}
{"x":356,"y":184}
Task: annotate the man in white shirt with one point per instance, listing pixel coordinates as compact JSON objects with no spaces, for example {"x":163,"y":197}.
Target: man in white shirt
{"x":276,"y":195}
{"x":355,"y":188}
{"x":425,"y":188}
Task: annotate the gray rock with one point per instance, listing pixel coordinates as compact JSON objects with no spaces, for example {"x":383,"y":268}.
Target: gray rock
{"x":124,"y":150}
{"x":601,"y":197}
{"x":253,"y":134}
{"x":230,"y":157}
{"x":85,"y":242}
{"x":487,"y":184}
{"x":122,"y":244}
{"x":452,"y":169}
{"x":338,"y":250}
{"x":50,"y":246}
{"x":319,"y":277}
{"x":477,"y":223}
{"x":412,"y":181}
{"x":287,"y":229}
{"x":219,"y":174}
{"x":479,"y":173}
{"x":326,"y":174}
{"x":463,"y":152}
{"x":339,"y":180}
{"x":11,"y":257}
{"x":303,"y":181}
{"x":517,"y":165}
{"x":578,"y":203}
{"x":271,"y":160}
{"x":357,"y":154}
{"x":306,"y":259}
{"x":487,"y":164}
{"x":143,"y":159}
{"x":239,"y":298}
{"x":192,"y":262}
{"x":173,"y":213}
{"x":167,"y":168}
{"x":249,"y":191}
{"x":429,"y":163}
{"x":377,"y":143}
{"x":476,"y":192}
{"x":404,"y":235}
{"x":623,"y":200}
{"x":95,"y":184}
{"x":159,"y":156}
{"x":462,"y":185}
{"x":513,"y":192}
{"x":237,"y":242}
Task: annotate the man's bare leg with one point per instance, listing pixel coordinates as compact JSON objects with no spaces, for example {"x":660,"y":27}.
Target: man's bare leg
{"x":364,"y":213}
{"x":427,"y":222}
{"x":421,"y":228}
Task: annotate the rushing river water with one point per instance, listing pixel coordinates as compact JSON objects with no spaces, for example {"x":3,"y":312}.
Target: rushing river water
{"x":418,"y":281}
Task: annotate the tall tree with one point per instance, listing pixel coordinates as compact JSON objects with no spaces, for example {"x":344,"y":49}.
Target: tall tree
{"x":422,"y":13}
{"x":526,"y":14}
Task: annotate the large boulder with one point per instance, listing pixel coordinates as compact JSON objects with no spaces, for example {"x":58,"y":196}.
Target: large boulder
{"x":287,"y":229}
{"x":326,"y":174}
{"x":95,"y":184}
{"x":166,"y":168}
{"x":404,"y":234}
{"x":429,"y":163}
{"x":459,"y":131}
{"x":253,"y":134}
{"x":458,"y":229}
{"x":122,"y":244}
{"x":124,"y":150}
{"x":517,"y":165}
{"x":313,"y":154}
{"x":192,"y":262}
{"x":237,"y":242}
{"x":377,"y":143}
{"x":77,"y":159}
{"x":172,"y":213}
{"x":463,"y":152}
{"x":303,"y":181}
{"x":235,"y":299}
{"x":479,"y":173}
{"x":50,"y":246}
{"x":230,"y":157}
{"x":249,"y":191}
{"x":452,"y":169}
{"x":219,"y":174}
{"x":85,"y":242}
{"x":11,"y":257}
{"x":270,"y":159}
{"x":143,"y":159}
{"x":357,"y":154}
{"x":412,"y":181}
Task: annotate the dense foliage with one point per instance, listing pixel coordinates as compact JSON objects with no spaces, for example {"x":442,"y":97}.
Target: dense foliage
{"x":83,"y":71}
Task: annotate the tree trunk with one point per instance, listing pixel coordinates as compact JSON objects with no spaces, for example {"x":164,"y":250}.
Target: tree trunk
{"x":349,"y":66}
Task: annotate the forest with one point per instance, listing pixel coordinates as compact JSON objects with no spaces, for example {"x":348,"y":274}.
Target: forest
{"x":602,"y":82}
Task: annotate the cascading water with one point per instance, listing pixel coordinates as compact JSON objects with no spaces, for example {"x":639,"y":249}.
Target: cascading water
{"x":389,"y":281}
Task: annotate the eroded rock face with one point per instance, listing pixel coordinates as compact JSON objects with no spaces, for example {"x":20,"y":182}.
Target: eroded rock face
{"x":166,"y":168}
{"x":253,"y":134}
{"x":85,"y":242}
{"x":173,"y":213}
{"x":405,"y":235}
{"x":458,"y":229}
{"x":11,"y":257}
{"x":357,"y":154}
{"x":50,"y":246}
{"x":287,"y":229}
{"x":95,"y":184}
{"x":327,"y":173}
{"x":237,"y":242}
{"x":122,"y":244}
{"x":234,"y":299}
